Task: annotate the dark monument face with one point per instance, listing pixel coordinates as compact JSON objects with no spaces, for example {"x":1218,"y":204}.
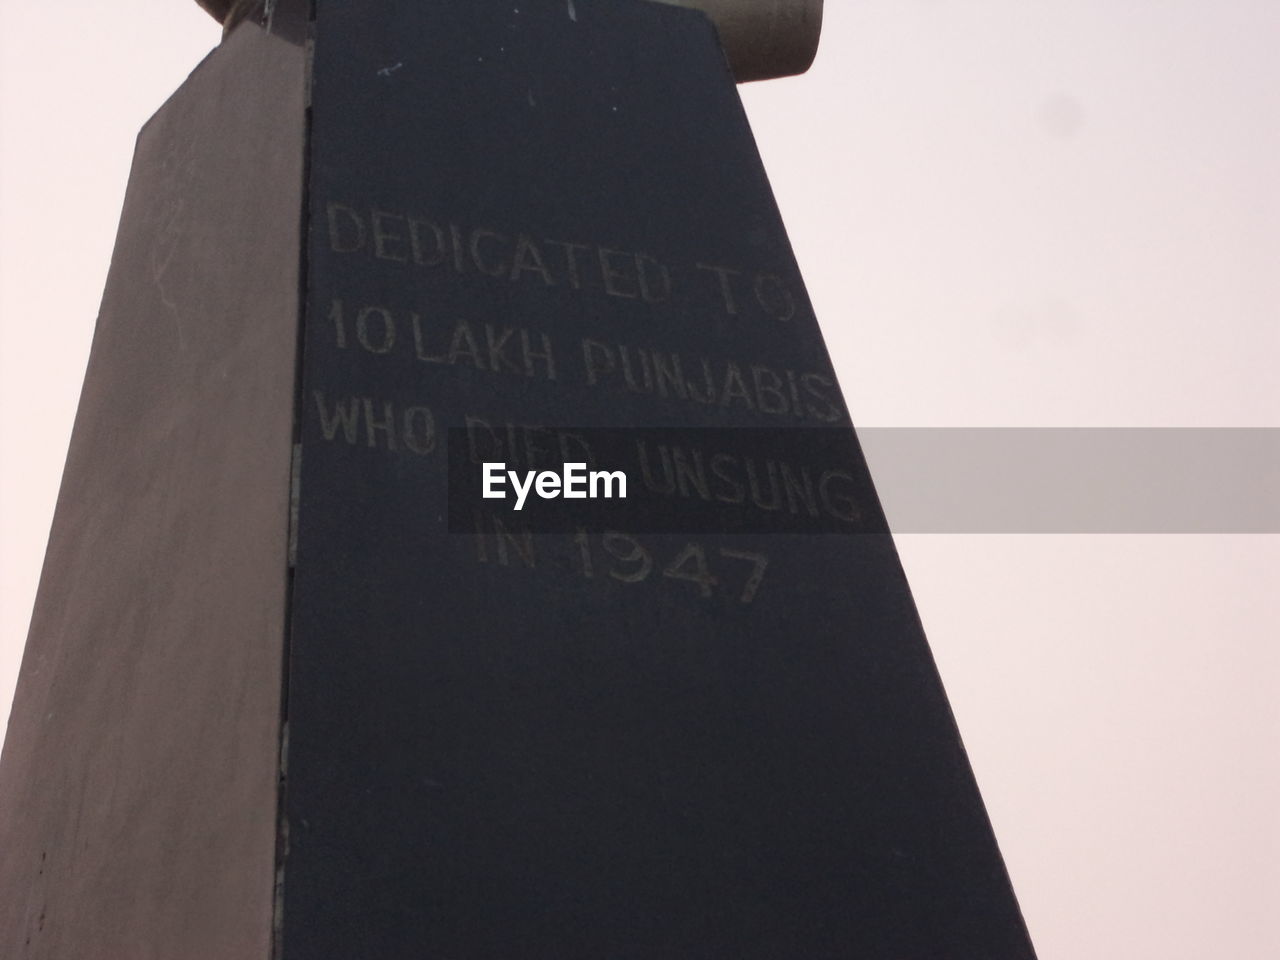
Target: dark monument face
{"x":518,"y":224}
{"x":508,"y":745}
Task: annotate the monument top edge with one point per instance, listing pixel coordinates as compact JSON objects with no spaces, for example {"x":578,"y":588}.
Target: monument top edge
{"x":763,"y":39}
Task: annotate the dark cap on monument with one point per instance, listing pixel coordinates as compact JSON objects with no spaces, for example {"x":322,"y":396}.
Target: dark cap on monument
{"x":763,"y":39}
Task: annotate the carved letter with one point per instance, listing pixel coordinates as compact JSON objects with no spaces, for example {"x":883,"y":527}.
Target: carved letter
{"x":353,"y":239}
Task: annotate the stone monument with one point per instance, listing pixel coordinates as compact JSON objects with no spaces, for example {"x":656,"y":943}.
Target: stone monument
{"x":284,"y":696}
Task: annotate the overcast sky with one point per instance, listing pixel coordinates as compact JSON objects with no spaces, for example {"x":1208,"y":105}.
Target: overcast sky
{"x":1051,"y":213}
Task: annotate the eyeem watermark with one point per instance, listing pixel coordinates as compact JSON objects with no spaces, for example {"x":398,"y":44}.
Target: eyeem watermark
{"x":574,"y":482}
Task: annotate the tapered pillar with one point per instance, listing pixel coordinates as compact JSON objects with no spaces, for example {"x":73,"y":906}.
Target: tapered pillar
{"x":282,"y":700}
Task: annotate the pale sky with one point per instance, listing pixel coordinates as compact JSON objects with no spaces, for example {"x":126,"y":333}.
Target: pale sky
{"x":1049,"y":213}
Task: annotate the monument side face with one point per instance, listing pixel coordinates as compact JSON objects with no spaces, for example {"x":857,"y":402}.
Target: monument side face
{"x":138,"y":789}
{"x":539,"y":215}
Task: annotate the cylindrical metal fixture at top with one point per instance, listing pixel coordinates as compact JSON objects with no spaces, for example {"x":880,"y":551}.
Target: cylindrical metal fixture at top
{"x":764,"y":38}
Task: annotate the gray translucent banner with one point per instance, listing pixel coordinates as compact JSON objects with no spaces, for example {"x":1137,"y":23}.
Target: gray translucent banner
{"x":1076,"y":480}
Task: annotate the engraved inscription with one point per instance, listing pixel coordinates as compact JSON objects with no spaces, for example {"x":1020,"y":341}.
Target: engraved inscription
{"x":411,"y":329}
{"x":615,"y":557}
{"x":376,"y":423}
{"x":516,"y":257}
{"x":519,"y":351}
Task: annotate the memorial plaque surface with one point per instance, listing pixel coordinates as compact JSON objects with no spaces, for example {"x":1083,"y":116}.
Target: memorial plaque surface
{"x":530,"y":218}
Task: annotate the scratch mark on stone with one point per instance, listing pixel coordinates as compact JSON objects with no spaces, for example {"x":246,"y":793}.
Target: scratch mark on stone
{"x":162,"y":254}
{"x":573,"y":12}
{"x":388,"y":71}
